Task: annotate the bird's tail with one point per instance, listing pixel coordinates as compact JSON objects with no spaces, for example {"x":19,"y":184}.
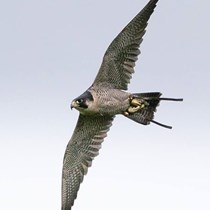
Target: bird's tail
{"x":150,"y":102}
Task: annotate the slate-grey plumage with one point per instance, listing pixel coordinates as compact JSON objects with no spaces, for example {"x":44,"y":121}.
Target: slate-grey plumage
{"x":106,"y":98}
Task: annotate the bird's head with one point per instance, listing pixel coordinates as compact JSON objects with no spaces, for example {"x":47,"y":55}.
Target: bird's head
{"x":81,"y":103}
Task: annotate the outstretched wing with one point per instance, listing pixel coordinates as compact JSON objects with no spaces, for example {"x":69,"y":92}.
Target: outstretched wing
{"x":81,"y":150}
{"x":120,"y":57}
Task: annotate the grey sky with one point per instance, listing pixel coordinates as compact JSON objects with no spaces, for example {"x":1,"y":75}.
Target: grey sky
{"x":50,"y":52}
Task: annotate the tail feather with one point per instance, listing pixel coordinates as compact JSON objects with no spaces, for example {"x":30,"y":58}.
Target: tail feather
{"x":146,"y":114}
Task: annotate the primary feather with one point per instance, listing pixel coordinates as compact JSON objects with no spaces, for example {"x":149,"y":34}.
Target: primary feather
{"x":81,"y":150}
{"x":119,"y":60}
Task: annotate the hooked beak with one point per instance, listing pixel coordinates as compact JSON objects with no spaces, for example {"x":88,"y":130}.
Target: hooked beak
{"x":74,"y":104}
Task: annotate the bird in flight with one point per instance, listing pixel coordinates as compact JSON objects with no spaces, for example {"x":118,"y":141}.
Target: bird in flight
{"x":106,"y":98}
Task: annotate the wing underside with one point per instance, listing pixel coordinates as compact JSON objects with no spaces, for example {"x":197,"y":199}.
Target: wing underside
{"x":81,"y":150}
{"x":119,"y":60}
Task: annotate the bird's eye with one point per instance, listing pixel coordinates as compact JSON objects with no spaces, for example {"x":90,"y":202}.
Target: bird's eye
{"x":79,"y":101}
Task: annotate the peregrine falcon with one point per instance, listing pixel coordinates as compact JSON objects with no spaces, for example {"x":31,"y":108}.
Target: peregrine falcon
{"x":106,"y":98}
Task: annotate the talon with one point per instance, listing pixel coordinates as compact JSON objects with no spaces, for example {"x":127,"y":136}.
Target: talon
{"x":135,"y":105}
{"x":132,"y":109}
{"x":135,"y":102}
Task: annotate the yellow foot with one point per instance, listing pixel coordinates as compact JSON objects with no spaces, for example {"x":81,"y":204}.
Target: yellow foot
{"x":133,"y":109}
{"x":136,"y":104}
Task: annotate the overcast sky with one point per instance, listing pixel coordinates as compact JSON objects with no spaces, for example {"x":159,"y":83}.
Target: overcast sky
{"x":50,"y":52}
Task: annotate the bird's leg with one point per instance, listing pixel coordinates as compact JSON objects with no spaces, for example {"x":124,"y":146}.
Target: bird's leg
{"x":136,"y":104}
